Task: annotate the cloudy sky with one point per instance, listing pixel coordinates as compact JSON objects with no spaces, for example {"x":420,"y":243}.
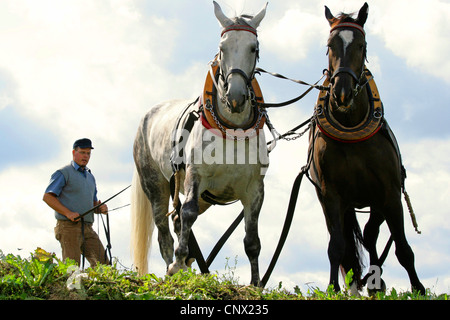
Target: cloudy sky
{"x":72,"y":69}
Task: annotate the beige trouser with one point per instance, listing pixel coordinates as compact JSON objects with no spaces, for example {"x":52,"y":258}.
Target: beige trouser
{"x":69,"y":235}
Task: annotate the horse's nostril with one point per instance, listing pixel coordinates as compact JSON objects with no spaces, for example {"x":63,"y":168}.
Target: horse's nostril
{"x":343,"y":95}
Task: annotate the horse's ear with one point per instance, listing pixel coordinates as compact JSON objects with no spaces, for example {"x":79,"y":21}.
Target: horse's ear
{"x":223,"y":19}
{"x":329,"y":16}
{"x":258,"y":18}
{"x":362,"y":15}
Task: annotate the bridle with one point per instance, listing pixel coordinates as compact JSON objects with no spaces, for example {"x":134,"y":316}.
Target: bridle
{"x":348,"y":70}
{"x":247,"y":78}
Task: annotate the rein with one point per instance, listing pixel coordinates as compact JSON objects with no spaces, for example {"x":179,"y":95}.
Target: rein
{"x":285,"y":103}
{"x":106,"y":227}
{"x":100,"y":204}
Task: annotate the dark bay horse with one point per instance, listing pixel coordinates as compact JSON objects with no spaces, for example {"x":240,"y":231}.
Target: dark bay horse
{"x":354,"y":158}
{"x":227,"y":119}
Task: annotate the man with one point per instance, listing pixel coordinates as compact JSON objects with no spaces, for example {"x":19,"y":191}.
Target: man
{"x":71,"y":192}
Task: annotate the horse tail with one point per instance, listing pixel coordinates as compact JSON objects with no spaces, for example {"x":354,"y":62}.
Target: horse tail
{"x":354,"y":247}
{"x":142,"y":225}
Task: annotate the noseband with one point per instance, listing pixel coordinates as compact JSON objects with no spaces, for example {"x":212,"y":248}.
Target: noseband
{"x":247,"y":79}
{"x":345,"y":70}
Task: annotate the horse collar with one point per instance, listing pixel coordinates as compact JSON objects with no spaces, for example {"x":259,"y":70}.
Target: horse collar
{"x":211,"y":120}
{"x":330,"y":127}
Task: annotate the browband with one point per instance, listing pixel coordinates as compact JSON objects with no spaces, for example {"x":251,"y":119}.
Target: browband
{"x":349,"y":25}
{"x":239,"y":27}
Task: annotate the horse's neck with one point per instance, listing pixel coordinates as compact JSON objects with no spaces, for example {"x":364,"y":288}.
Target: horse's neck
{"x":354,"y":115}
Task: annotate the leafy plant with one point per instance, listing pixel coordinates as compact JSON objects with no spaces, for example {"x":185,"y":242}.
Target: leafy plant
{"x":43,"y":276}
{"x":29,"y":277}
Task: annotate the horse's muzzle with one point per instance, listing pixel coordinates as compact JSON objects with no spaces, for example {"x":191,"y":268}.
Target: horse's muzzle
{"x":342,"y":92}
{"x":236,"y":96}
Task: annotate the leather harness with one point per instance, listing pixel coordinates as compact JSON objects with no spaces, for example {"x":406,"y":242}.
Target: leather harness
{"x":364,"y":130}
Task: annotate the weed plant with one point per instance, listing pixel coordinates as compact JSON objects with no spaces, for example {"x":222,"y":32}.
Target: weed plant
{"x":44,"y":277}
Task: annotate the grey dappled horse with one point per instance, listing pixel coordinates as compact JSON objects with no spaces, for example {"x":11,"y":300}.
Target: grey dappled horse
{"x":227,"y":180}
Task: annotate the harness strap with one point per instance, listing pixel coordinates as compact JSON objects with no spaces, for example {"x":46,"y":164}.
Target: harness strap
{"x":194,"y":250}
{"x":247,"y":80}
{"x":224,"y":238}
{"x":106,"y":228}
{"x":83,"y":244}
{"x":348,"y":71}
{"x":291,"y":101}
{"x":177,"y":160}
{"x":287,"y":224}
{"x":239,"y":27}
{"x":349,"y":25}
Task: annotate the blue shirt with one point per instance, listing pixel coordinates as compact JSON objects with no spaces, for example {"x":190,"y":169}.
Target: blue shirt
{"x":57,"y":181}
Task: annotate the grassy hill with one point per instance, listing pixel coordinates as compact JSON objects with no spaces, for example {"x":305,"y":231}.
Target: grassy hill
{"x":44,"y":277}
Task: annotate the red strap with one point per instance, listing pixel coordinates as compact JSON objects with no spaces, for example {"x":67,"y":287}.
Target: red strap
{"x":349,"y":25}
{"x":347,"y":141}
{"x":239,"y":28}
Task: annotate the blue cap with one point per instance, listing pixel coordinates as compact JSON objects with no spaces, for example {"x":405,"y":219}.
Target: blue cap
{"x":83,"y":143}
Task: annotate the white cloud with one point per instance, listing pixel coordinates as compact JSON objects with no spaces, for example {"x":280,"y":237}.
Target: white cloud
{"x":292,"y":36}
{"x":5,"y":100}
{"x":25,"y":219}
{"x":93,"y":68}
{"x":76,"y":62}
{"x":416,"y":31}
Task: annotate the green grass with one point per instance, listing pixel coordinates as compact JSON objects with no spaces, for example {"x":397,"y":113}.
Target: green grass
{"x":44,"y":277}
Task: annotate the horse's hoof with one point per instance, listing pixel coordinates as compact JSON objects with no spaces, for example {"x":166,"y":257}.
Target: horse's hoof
{"x":354,"y":290}
{"x":175,"y":267}
{"x":189,"y":262}
{"x":419,"y":288}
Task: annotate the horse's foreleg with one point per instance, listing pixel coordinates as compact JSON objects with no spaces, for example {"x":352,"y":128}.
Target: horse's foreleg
{"x":336,"y":245}
{"x":404,"y":253}
{"x":336,"y":250}
{"x":189,"y":213}
{"x":370,"y":236}
{"x":371,"y":232}
{"x":165,"y":239}
{"x":252,"y":243}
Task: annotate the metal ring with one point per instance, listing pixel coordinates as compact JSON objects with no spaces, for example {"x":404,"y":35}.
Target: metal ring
{"x":319,"y":110}
{"x":377,"y":114}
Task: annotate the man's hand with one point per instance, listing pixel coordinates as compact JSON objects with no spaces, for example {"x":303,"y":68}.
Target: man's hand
{"x":72,"y":215}
{"x":53,"y":202}
{"x":102,"y":209}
